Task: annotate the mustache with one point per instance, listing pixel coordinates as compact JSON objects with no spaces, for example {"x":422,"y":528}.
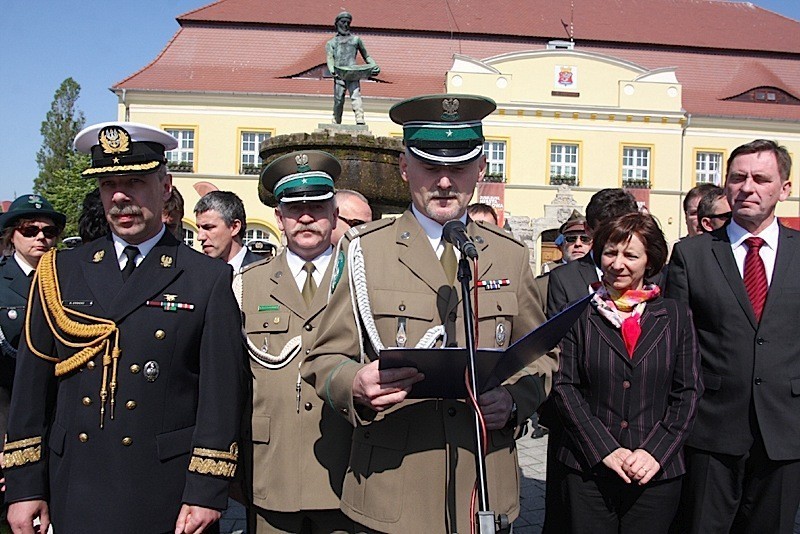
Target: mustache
{"x":116,"y":211}
{"x":312,"y":227}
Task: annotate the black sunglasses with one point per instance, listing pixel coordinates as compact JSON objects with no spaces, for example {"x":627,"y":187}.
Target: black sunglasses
{"x":352,"y":222}
{"x":50,"y":232}
{"x":727,"y":215}
{"x":585,"y":239}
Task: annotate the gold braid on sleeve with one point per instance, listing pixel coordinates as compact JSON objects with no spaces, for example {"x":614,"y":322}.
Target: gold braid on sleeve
{"x":91,"y":337}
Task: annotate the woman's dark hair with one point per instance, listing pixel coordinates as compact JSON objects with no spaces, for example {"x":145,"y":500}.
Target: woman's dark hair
{"x":620,"y":230}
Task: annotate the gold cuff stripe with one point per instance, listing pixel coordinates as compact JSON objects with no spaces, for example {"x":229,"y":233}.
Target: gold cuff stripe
{"x":121,"y":168}
{"x":232,"y":454}
{"x":218,"y":468}
{"x":22,"y":456}
{"x":21,"y":444}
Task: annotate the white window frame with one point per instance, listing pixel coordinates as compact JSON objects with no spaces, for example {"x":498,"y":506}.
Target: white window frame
{"x":708,"y":167}
{"x":184,"y":153}
{"x":189,"y":236}
{"x":496,"y":152}
{"x":250,"y":147}
{"x":256,"y":233}
{"x":636,"y":163}
{"x":564,"y":160}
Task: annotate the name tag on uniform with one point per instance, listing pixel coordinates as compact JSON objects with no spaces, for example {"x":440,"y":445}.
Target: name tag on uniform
{"x":78,"y":303}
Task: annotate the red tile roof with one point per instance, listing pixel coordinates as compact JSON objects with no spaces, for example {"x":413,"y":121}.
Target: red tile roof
{"x":695,"y":23}
{"x":255,"y":46}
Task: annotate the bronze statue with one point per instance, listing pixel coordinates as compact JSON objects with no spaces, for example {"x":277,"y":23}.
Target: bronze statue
{"x":341,"y":51}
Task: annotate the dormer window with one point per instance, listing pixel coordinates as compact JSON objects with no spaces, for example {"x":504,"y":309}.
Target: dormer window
{"x":767,"y":95}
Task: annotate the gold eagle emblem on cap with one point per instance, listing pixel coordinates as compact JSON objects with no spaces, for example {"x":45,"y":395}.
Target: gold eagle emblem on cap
{"x":450,"y":107}
{"x":114,"y":140}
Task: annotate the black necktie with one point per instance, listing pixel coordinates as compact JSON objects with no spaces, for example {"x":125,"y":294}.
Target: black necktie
{"x":130,"y":252}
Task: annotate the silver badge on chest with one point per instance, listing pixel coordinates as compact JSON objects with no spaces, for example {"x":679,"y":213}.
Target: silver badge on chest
{"x":151,"y":371}
{"x":12,"y":314}
{"x":500,"y":334}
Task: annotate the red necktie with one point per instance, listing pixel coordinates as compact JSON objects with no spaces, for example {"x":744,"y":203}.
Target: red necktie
{"x":755,"y":276}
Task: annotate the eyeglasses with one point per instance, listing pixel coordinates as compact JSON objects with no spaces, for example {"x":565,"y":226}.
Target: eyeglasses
{"x":727,"y":215}
{"x":50,"y":232}
{"x":585,"y":239}
{"x":352,"y":222}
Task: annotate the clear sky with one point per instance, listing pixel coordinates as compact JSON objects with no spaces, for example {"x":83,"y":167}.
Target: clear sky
{"x":98,"y":43}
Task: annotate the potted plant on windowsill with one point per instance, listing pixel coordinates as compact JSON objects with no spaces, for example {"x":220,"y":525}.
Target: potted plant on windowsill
{"x":250,"y":168}
{"x":636,"y":183}
{"x":180,"y":166}
{"x":495,"y":177}
{"x":563,"y":179}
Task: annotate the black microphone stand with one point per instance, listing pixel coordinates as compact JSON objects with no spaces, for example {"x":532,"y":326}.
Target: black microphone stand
{"x":484,"y":517}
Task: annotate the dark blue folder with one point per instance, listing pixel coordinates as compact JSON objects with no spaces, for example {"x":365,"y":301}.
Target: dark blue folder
{"x":444,"y":367}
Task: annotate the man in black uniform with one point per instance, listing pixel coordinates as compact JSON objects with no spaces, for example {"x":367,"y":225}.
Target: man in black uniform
{"x":126,"y":415}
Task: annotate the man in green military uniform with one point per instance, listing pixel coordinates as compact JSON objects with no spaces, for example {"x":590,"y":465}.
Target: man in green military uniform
{"x":299,"y":445}
{"x":412,"y":465}
{"x":125,"y":415}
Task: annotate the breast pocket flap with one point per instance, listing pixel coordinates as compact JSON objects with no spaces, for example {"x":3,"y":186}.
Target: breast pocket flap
{"x":403,"y":304}
{"x":498,"y":304}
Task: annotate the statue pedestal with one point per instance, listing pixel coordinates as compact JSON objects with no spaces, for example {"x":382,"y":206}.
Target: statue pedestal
{"x":333,"y":129}
{"x":370,"y":164}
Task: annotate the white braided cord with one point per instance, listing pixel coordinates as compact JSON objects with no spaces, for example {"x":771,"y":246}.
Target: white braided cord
{"x":262,"y":357}
{"x":358,"y":281}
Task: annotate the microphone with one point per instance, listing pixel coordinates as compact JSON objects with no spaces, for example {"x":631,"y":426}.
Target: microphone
{"x":455,"y":233}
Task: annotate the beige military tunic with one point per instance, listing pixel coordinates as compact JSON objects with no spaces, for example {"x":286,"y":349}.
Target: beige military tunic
{"x":412,"y":467}
{"x":299,"y":445}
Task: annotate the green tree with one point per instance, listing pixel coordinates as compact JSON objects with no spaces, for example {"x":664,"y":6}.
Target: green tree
{"x":67,"y":189}
{"x":61,"y":125}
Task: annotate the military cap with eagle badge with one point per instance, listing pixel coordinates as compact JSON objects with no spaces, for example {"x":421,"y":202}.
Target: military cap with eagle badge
{"x":443,"y":129}
{"x":123,"y":148}
{"x":303,"y":176}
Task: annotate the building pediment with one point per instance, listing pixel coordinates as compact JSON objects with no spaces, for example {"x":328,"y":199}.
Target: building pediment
{"x":568,"y":78}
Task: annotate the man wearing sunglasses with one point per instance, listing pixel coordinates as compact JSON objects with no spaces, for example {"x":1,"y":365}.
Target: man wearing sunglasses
{"x":713,"y":210}
{"x":572,"y":240}
{"x":354,"y":210}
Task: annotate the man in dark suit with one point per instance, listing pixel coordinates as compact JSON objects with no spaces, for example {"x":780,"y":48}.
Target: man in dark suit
{"x":129,"y":379}
{"x":571,"y":282}
{"x":743,"y":285}
{"x":221,"y":227}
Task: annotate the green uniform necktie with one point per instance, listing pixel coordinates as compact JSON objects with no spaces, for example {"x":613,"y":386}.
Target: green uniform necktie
{"x":449,"y":262}
{"x":310,"y":286}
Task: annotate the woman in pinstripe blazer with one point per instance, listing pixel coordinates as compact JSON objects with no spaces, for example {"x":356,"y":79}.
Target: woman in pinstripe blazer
{"x":627,"y":390}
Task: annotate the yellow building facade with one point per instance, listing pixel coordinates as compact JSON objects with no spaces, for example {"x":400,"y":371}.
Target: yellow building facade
{"x":565,"y":116}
